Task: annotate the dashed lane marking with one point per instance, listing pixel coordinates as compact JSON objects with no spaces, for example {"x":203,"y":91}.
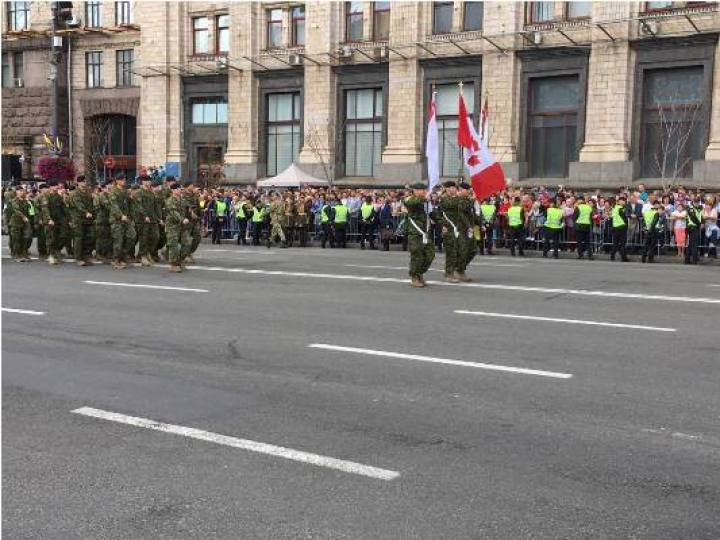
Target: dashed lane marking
{"x":23,"y":311}
{"x":243,"y":444}
{"x":420,"y":358}
{"x":142,"y":286}
{"x":565,"y":321}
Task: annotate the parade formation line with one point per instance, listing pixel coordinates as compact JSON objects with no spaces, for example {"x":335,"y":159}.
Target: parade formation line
{"x":243,"y":444}
{"x":566,"y":321}
{"x":141,"y":286}
{"x":519,"y":288}
{"x":420,"y":358}
{"x":23,"y":311}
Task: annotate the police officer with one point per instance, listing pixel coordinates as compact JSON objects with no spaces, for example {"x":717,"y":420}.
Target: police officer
{"x":218,"y":207}
{"x":516,"y":223}
{"x":367,"y":223}
{"x":243,"y":210}
{"x":259,"y":216}
{"x":694,"y":220}
{"x":327,"y":215}
{"x":652,"y":223}
{"x":552,"y":229}
{"x":583,"y":216}
{"x":487,"y":211}
{"x":340,"y":221}
{"x":620,"y":217}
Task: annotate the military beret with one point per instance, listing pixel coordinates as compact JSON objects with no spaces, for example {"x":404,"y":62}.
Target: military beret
{"x":174,"y":185}
{"x":145,"y":178}
{"x":418,"y":185}
{"x":449,"y":183}
{"x":464,"y":185}
{"x":157,"y":182}
{"x":80,"y":178}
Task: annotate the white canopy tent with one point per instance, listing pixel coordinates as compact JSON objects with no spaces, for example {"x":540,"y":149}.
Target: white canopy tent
{"x":293,"y":176}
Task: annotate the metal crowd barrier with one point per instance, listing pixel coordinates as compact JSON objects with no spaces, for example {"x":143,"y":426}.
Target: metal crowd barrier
{"x":600,"y":238}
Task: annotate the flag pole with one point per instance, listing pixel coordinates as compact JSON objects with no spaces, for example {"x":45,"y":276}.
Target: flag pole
{"x":427,"y":161}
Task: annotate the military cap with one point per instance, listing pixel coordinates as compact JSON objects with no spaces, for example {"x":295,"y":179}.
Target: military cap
{"x":157,"y":182}
{"x":174,"y":185}
{"x":120,"y":176}
{"x":80,"y":178}
{"x":449,"y":183}
{"x":464,"y":185}
{"x":418,"y":185}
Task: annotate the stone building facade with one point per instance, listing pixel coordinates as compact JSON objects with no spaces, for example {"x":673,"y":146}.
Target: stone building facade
{"x":587,"y":94}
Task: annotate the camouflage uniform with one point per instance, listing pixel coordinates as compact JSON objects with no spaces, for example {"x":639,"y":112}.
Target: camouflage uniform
{"x":53,"y":209}
{"x":40,"y":227}
{"x":422,"y":248}
{"x":449,"y":217}
{"x":467,"y":247}
{"x":103,"y":246}
{"x":79,"y":205}
{"x":191,"y":201}
{"x":277,"y":217}
{"x":122,"y":232}
{"x":178,"y":237}
{"x":146,"y":218}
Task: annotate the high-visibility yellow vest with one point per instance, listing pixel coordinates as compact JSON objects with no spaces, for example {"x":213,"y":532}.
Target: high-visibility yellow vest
{"x":488,"y":211}
{"x":240,"y":212}
{"x":691,"y":223}
{"x":515,"y":216}
{"x":341,"y":212}
{"x":31,"y":208}
{"x":258,"y":214}
{"x":366,"y":211}
{"x":323,"y":214}
{"x":649,"y":216}
{"x":585,"y":214}
{"x":554,"y":218}
{"x":617,"y":220}
{"x":220,"y":208}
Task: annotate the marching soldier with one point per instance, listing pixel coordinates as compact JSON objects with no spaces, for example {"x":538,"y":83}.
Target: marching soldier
{"x":103,"y":236}
{"x":39,"y":224}
{"x":177,"y":228}
{"x":467,"y":248}
{"x":53,"y":211}
{"x":159,"y":200}
{"x":82,"y":216}
{"x":122,"y":227}
{"x":147,"y":220}
{"x":191,"y":199}
{"x":448,"y":215}
{"x":17,"y":214}
{"x":422,"y":249}
{"x":276,"y":212}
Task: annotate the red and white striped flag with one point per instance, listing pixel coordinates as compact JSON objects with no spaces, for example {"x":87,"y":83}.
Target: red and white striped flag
{"x":432,"y":147}
{"x":485,"y":172}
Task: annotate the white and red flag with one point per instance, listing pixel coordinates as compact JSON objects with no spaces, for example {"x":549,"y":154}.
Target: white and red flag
{"x":432,"y":147}
{"x":485,"y":172}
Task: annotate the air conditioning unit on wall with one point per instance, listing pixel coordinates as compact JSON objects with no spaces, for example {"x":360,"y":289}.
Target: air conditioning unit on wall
{"x":345,"y":52}
{"x":295,"y":60}
{"x":382,"y":53}
{"x":18,"y":83}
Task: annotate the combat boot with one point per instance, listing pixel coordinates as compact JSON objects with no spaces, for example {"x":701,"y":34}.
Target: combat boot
{"x":189,"y":259}
{"x":145,"y":261}
{"x":52,"y":260}
{"x":175,"y":269}
{"x":118,"y":264}
{"x":450,"y":278}
{"x":81,"y":263}
{"x":415,"y":282}
{"x":461,"y":276}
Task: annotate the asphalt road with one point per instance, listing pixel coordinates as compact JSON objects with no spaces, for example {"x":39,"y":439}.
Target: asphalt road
{"x":487,"y":427}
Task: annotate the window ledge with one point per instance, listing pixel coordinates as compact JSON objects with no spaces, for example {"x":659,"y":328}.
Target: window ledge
{"x":679,"y":12}
{"x":364,"y":45}
{"x":283,"y":51}
{"x":553,"y":25}
{"x":455,"y":36}
{"x":206,"y":57}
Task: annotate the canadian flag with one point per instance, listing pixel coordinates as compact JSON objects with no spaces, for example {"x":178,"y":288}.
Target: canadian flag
{"x":485,"y":172}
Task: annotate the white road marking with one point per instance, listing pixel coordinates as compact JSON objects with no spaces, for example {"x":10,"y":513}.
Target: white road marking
{"x":420,"y":358}
{"x":713,"y":285}
{"x":566,"y":321}
{"x":23,"y":311}
{"x":255,"y":251}
{"x":243,"y":444}
{"x":141,"y":286}
{"x":520,"y":288}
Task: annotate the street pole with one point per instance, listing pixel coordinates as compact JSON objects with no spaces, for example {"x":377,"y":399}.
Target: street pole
{"x":55,"y":59}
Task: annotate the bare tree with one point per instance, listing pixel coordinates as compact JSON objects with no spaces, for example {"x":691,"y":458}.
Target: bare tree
{"x":314,"y":138}
{"x":673,"y":154}
{"x":99,"y":131}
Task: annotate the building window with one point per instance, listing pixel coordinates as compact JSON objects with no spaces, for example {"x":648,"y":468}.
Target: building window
{"x":123,"y":13}
{"x":298,"y":26}
{"x":201,"y":33}
{"x":274,"y":28}
{"x":93,"y":14}
{"x":659,"y":6}
{"x":18,"y":15}
{"x":223,"y":33}
{"x":672,"y":124}
{"x":353,"y":21}
{"x":447,"y":98}
{"x":542,"y":12}
{"x":124,"y":63}
{"x":93,"y":68}
{"x":363,"y":130}
{"x":283,"y":131}
{"x":554,"y":103}
{"x":578,"y":10}
{"x":473,"y":16}
{"x":18,"y":66}
{"x":209,"y":111}
{"x":5,"y":70}
{"x":442,"y":17}
{"x":381,"y":21}
{"x":122,"y":135}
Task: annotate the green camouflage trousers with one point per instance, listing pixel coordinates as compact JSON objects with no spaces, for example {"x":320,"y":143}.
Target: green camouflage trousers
{"x":195,"y":235}
{"x":179,"y":243}
{"x":451,"y":247}
{"x":275,"y":231}
{"x":54,"y":239}
{"x":102,"y":239}
{"x":123,"y":240}
{"x":467,"y":249}
{"x":18,"y":241}
{"x":421,"y":255}
{"x":83,"y":240}
{"x":149,"y":234}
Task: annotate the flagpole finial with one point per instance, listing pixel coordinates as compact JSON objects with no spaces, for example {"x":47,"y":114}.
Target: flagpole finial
{"x":460,"y":84}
